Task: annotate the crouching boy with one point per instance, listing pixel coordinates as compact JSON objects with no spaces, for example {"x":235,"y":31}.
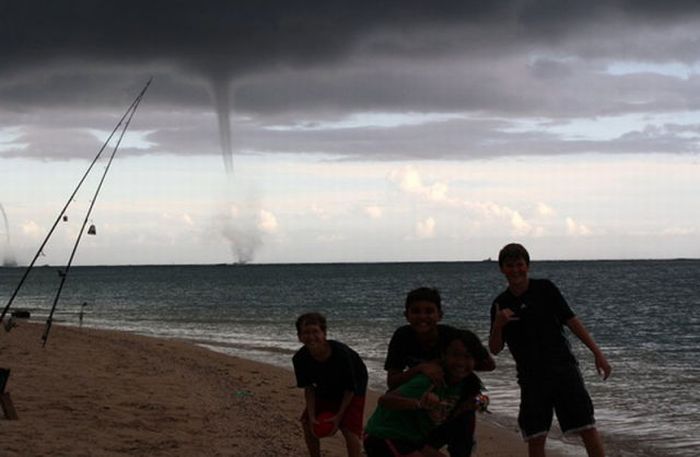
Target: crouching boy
{"x":334,"y":380}
{"x":406,"y":417}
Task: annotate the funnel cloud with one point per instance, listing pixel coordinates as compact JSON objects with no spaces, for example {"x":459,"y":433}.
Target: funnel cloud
{"x":8,"y":259}
{"x":221,"y":94}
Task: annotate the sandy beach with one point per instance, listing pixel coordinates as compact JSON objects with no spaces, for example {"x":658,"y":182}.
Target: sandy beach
{"x":103,"y":393}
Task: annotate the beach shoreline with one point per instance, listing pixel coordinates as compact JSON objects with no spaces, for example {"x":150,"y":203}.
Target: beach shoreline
{"x":109,"y":393}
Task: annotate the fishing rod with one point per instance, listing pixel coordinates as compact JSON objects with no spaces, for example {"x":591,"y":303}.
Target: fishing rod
{"x":64,"y":274}
{"x":39,"y":251}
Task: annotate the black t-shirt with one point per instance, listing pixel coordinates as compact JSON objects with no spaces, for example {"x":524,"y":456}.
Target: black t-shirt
{"x":405,"y":350}
{"x":537,"y":340}
{"x":343,"y":371}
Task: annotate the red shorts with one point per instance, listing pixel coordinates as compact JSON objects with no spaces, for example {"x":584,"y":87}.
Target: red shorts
{"x":354,"y":413}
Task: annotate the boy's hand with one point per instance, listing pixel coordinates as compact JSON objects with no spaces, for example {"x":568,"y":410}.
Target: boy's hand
{"x":602,"y":365}
{"x":504,"y":316}
{"x":335,"y":420}
{"x":429,"y":400}
{"x":433,"y":371}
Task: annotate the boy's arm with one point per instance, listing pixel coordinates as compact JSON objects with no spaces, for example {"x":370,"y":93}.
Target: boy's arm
{"x":345,"y":402}
{"x":496,"y":343}
{"x":310,"y":397}
{"x":433,"y":370}
{"x":578,"y":329}
{"x":395,"y":400}
{"x":501,"y":318}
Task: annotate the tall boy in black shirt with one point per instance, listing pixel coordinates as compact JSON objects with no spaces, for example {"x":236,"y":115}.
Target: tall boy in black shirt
{"x":529,"y":316}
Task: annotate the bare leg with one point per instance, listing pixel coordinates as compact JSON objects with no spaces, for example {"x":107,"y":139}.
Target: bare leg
{"x":535,"y":446}
{"x":312,"y":443}
{"x":593,"y":442}
{"x":352,"y":442}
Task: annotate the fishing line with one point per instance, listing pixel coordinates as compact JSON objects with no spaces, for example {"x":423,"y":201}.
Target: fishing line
{"x":127,"y":116}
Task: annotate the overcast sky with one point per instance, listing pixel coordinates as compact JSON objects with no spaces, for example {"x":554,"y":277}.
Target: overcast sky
{"x":316,"y":131}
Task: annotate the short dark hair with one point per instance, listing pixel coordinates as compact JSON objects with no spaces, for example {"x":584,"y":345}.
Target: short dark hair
{"x":471,"y":342}
{"x":313,"y":318}
{"x":513,"y":251}
{"x":472,"y":384}
{"x":429,"y":294}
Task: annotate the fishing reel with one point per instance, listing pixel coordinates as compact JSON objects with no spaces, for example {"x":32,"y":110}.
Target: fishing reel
{"x":482,"y":402}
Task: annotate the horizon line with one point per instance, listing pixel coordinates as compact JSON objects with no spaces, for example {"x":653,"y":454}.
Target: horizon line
{"x":351,"y":262}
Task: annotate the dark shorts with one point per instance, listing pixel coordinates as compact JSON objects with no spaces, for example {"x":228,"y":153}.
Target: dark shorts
{"x":354,"y":414}
{"x":457,"y":433}
{"x":562,"y":390}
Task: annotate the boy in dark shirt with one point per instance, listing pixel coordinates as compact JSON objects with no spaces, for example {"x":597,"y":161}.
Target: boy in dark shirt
{"x":416,"y":348}
{"x":334,"y":379}
{"x":529,"y":316}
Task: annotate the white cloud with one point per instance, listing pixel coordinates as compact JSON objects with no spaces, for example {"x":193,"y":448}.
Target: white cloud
{"x":267,"y":222}
{"x":32,"y":229}
{"x":319,"y":211}
{"x":438,"y":191}
{"x":679,"y":231}
{"x":374,"y":212}
{"x":409,"y":180}
{"x":425,"y":229}
{"x":545,"y":210}
{"x":574,"y":228}
{"x":520,"y":225}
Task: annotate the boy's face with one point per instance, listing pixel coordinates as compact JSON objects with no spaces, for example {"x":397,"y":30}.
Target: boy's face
{"x":515,"y":271}
{"x":312,"y":336}
{"x":459,"y":363}
{"x":423,"y":316}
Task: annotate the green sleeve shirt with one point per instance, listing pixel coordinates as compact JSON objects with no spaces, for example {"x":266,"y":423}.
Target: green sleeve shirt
{"x":413,"y":425}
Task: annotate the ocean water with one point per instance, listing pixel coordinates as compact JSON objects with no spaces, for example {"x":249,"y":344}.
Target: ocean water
{"x":645,"y":315}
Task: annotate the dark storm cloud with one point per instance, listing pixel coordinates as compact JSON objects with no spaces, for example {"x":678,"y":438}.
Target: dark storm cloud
{"x":72,"y":63}
{"x":235,"y":37}
{"x":212,"y":37}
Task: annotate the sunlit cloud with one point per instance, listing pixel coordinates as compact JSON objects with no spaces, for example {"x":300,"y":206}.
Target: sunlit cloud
{"x":544,"y":210}
{"x":32,"y":229}
{"x":425,"y":229}
{"x":374,"y":212}
{"x":520,"y":225}
{"x":409,"y":180}
{"x":267,"y":222}
{"x":574,"y":228}
{"x":319,"y":211}
{"x":679,"y":231}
